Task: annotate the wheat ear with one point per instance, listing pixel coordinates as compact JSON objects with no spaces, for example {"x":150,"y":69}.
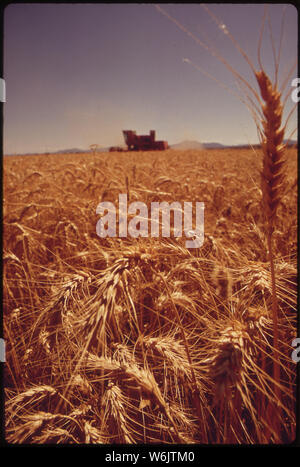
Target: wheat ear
{"x":272,"y":176}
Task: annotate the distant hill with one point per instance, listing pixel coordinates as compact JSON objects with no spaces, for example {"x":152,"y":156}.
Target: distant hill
{"x":196,"y":145}
{"x":187,"y":144}
{"x":213,"y":145}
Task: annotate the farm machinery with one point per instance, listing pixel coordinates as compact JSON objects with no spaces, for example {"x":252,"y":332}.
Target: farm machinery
{"x":136,"y":142}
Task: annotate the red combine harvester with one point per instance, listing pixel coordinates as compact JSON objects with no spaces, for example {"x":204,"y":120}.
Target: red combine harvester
{"x":135,"y":142}
{"x":143,"y":142}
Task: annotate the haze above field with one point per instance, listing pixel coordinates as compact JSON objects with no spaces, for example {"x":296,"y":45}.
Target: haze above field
{"x":79,"y":74}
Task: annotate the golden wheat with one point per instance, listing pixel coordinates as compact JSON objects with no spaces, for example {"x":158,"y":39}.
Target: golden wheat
{"x":143,"y":340}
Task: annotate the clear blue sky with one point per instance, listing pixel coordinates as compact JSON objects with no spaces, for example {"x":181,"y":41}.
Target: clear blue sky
{"x":78,"y":74}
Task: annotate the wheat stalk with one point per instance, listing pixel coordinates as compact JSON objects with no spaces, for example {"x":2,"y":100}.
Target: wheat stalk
{"x":34,"y":394}
{"x":114,"y":408}
{"x":273,"y":184}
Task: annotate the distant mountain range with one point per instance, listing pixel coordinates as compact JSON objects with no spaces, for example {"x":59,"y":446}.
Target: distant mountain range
{"x":72,"y":150}
{"x":196,"y":145}
{"x":187,"y":144}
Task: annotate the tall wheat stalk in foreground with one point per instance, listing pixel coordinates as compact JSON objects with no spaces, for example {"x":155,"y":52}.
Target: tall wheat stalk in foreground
{"x":272,"y":182}
{"x":268,"y":117}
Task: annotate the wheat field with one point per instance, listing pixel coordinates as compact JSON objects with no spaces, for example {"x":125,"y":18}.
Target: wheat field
{"x":141,"y":340}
